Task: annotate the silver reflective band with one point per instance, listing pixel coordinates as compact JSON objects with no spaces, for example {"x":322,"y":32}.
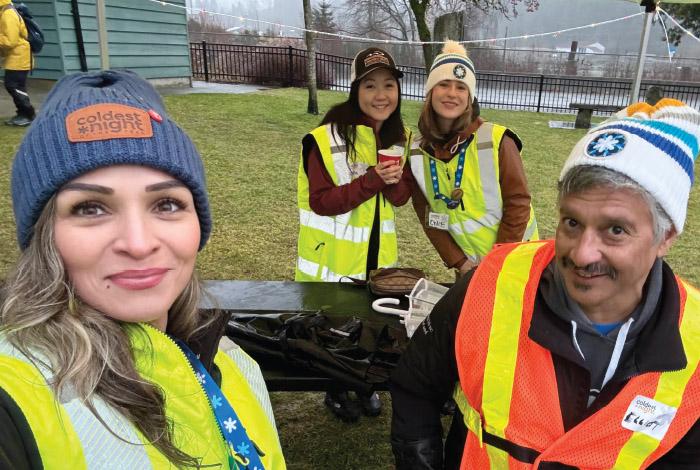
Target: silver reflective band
{"x":490,"y":186}
{"x":329,"y":276}
{"x":307,"y":267}
{"x":101,"y":448}
{"x":388,"y":226}
{"x":472,"y":226}
{"x":253,"y":375}
{"x":332,"y":226}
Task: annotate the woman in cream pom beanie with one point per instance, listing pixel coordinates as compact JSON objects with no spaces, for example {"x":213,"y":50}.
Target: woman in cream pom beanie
{"x":470,"y":191}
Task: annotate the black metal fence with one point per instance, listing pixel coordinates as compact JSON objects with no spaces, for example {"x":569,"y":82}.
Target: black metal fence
{"x":286,"y":66}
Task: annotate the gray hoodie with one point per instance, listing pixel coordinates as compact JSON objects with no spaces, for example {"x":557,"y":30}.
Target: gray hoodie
{"x":601,"y":354}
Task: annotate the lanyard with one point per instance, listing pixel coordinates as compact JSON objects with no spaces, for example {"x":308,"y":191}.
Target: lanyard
{"x":456,"y":196}
{"x":242,"y":451}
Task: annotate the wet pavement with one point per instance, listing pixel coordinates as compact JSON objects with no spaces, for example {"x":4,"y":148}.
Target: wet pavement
{"x":38,"y":89}
{"x":209,"y":87}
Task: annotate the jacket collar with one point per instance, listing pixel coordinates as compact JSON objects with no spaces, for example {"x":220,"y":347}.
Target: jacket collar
{"x":205,"y":342}
{"x":661,"y":333}
{"x":442,"y":152}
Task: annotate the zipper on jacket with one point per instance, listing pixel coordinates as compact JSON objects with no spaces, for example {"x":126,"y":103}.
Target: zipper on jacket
{"x":201,"y":388}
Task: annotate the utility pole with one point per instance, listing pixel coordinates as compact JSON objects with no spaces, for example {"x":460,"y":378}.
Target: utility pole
{"x":102,"y":34}
{"x":649,"y":11}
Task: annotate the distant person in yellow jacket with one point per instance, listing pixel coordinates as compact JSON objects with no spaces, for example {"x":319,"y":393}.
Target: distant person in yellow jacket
{"x":17,"y":61}
{"x":106,"y":359}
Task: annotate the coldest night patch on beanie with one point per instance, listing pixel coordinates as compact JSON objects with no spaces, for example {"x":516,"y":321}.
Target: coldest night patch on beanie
{"x":108,"y":121}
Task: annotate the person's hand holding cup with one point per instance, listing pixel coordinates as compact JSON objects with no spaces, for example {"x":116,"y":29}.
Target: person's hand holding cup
{"x":389,"y":167}
{"x":390,"y":156}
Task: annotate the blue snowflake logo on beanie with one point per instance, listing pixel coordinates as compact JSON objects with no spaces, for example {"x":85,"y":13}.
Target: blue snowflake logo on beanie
{"x":459,"y":71}
{"x":606,"y":144}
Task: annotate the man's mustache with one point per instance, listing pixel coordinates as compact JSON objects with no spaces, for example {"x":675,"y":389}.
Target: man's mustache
{"x":593,"y":269}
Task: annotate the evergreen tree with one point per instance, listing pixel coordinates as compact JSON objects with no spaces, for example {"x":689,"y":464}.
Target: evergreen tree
{"x":323,"y":18}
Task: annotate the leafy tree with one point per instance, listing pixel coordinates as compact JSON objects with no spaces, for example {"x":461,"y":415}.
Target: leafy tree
{"x":686,"y":14}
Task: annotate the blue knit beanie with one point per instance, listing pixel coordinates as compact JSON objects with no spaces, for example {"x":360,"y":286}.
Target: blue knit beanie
{"x":93,"y":120}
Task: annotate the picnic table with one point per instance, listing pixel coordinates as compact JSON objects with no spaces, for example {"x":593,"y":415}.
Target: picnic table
{"x":585,"y":112}
{"x":274,"y":297}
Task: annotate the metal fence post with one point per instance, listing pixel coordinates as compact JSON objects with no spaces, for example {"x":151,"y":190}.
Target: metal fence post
{"x":290,"y":73}
{"x":539,"y":95}
{"x":206,"y":61}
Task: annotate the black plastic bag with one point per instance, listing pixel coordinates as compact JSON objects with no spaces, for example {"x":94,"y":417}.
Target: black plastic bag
{"x":354,"y":353}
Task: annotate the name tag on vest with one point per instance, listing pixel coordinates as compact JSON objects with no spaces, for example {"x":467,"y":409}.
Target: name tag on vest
{"x":438,"y":221}
{"x":649,"y":417}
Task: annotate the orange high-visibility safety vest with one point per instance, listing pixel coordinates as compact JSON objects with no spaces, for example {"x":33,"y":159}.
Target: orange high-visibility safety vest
{"x":507,"y":388}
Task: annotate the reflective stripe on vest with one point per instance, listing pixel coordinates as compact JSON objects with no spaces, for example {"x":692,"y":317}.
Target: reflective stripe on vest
{"x":508,"y":389}
{"x":68,"y":435}
{"x":473,"y":225}
{"x":333,"y":247}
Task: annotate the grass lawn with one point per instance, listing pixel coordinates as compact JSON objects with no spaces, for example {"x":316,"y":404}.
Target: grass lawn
{"x":250,"y":146}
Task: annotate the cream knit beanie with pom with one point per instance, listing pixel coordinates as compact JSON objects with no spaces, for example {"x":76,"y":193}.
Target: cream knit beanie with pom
{"x":452,"y":64}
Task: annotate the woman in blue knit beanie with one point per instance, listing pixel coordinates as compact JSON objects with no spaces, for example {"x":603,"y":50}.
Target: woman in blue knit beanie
{"x":105,"y":359}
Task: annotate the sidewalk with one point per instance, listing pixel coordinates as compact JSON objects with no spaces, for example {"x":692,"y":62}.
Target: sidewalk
{"x":209,"y":87}
{"x":38,"y":89}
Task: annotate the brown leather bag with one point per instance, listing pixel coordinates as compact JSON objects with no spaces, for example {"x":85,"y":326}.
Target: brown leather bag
{"x":393,"y":281}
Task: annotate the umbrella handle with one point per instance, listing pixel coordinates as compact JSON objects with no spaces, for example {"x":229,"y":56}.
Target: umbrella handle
{"x":378,"y":306}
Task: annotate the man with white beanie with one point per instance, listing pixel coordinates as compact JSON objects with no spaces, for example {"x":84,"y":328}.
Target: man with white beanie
{"x":577,"y":352}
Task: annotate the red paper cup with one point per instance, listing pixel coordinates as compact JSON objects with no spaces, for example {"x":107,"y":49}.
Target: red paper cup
{"x":390,"y":156}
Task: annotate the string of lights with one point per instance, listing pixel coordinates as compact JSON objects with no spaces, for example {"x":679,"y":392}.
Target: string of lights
{"x":393,"y":41}
{"x":410,"y":42}
{"x":668,"y":44}
{"x":678,"y":25}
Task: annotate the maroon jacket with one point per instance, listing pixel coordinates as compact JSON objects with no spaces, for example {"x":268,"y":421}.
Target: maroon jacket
{"x":325,"y":198}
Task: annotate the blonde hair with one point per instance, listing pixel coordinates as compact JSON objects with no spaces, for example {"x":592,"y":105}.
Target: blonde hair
{"x":428,"y":123}
{"x":87,"y":350}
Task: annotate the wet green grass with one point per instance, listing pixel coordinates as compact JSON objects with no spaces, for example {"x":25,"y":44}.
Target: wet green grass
{"x":250,"y":146}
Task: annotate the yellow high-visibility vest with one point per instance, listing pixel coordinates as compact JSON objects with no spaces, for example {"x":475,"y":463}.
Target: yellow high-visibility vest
{"x":331,"y":247}
{"x":68,"y":435}
{"x":474,"y":224}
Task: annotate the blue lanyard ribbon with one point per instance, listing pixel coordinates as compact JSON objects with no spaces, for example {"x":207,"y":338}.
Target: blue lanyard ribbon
{"x":242,"y":451}
{"x":451,"y":203}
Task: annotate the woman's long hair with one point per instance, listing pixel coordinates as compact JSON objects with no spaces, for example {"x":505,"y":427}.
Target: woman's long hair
{"x":87,"y":351}
{"x":428,"y":123}
{"x":346,"y":115}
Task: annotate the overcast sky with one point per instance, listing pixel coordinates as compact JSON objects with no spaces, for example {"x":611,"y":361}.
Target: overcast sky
{"x":552,"y":15}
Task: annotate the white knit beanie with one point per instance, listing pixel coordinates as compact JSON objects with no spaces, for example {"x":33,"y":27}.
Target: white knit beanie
{"x":452,"y":64}
{"x":656,"y":146}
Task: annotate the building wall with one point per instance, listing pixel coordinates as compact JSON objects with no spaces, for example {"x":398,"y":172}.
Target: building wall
{"x":144,"y":36}
{"x":49,"y":62}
